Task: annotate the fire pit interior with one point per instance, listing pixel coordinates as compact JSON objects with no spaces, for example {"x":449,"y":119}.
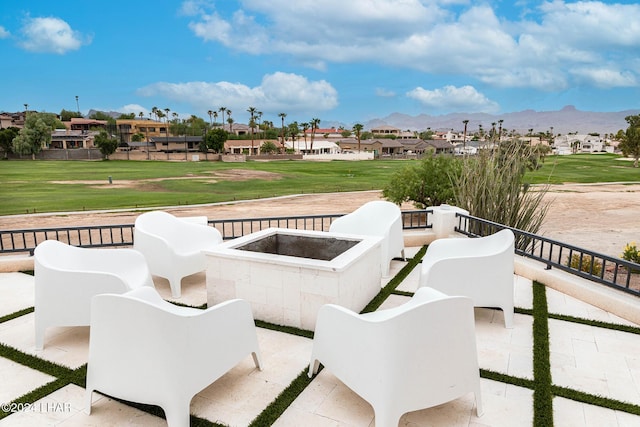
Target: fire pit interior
{"x":325,"y":249}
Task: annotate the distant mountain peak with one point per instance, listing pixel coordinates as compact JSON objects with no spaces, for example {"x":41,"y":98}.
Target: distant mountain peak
{"x":568,"y":119}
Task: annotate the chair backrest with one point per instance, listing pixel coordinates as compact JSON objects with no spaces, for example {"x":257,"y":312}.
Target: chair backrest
{"x":372,"y":218}
{"x":500,"y":242}
{"x":161,"y":224}
{"x":56,"y":255}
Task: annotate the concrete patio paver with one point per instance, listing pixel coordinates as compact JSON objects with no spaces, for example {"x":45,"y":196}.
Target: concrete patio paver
{"x":587,"y":358}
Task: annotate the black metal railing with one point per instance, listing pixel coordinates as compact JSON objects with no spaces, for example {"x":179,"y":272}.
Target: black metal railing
{"x":594,"y":266}
{"x":26,"y":240}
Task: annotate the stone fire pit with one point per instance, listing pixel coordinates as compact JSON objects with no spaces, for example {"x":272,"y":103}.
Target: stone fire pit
{"x":287,"y":275}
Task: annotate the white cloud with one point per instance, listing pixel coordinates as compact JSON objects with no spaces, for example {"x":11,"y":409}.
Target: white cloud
{"x":536,"y":49}
{"x":134,"y":108}
{"x":385,"y":93}
{"x":606,"y":77}
{"x":276,"y":93}
{"x":451,"y":98}
{"x":4,"y":33}
{"x":51,"y":35}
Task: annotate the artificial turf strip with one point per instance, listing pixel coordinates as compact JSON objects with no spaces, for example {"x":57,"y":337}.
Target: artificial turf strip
{"x":390,"y":287}
{"x":276,"y":408}
{"x":592,"y":399}
{"x":507,"y":379}
{"x":34,"y":362}
{"x":542,"y":395}
{"x":35,"y":395}
{"x":596,"y":323}
{"x":17,"y":314}
{"x":292,"y":330}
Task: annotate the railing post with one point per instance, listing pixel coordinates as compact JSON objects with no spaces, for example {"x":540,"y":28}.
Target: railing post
{"x":443,"y":220}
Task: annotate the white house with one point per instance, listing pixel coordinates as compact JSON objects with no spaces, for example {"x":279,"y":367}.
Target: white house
{"x":320,"y":146}
{"x":578,"y":143}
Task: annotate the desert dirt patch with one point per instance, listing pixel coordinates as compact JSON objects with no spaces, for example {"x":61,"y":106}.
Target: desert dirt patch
{"x":214,"y":176}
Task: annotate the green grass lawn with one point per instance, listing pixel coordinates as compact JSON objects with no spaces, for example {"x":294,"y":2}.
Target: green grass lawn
{"x":30,"y":186}
{"x":584,"y":168}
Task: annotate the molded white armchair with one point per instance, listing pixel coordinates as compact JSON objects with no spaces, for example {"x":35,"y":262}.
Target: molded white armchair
{"x":67,"y":277}
{"x":377,"y":218}
{"x":173,"y":247}
{"x":415,"y":356}
{"x":147,"y":350}
{"x":481,"y":268}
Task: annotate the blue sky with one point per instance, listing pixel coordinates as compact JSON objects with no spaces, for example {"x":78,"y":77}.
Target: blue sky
{"x":346,"y":61}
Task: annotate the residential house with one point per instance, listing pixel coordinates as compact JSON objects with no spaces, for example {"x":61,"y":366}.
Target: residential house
{"x":578,"y":143}
{"x":243,"y":146}
{"x":12,"y":120}
{"x":176,"y":143}
{"x":439,"y":146}
{"x":239,"y":129}
{"x":85,"y":125}
{"x":149,"y":128}
{"x":70,"y":139}
{"x":320,"y":146}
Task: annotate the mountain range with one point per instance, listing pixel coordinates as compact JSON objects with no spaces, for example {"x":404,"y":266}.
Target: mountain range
{"x":567,"y":120}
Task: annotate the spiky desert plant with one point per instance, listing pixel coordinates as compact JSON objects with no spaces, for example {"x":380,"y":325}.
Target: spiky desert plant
{"x":491,"y":187}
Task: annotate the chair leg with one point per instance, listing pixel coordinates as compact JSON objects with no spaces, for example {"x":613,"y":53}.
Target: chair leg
{"x":256,"y":359}
{"x":175,"y":284}
{"x":385,"y":418}
{"x":39,"y":335}
{"x":508,"y":317}
{"x":313,"y":367}
{"x":89,"y":400}
{"x":177,"y":414}
{"x":478,"y":396}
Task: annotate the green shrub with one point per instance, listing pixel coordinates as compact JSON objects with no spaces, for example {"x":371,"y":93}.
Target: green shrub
{"x":586,"y":264}
{"x":429,"y":182}
{"x":630,"y":253}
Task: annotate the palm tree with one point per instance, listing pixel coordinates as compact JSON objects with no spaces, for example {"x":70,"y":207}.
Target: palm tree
{"x":141,"y":115}
{"x":500,"y":130}
{"x":357,"y":129}
{"x":252,"y":112}
{"x":154,"y":110}
{"x":222,"y":110}
{"x":215,"y":117}
{"x":305,"y":128}
{"x":210,"y":113}
{"x":259,"y":117}
{"x":230,"y":121}
{"x":228,"y":117}
{"x":314,"y":127}
{"x":282,"y":116}
{"x":464,"y":137}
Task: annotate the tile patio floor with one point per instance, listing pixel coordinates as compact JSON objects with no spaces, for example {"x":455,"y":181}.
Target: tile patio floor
{"x":585,"y":358}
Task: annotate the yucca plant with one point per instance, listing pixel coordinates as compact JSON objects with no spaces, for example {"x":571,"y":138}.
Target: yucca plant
{"x":491,"y":187}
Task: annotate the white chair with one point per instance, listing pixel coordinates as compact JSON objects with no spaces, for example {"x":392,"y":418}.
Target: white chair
{"x":67,"y":277}
{"x":415,"y":356}
{"x":481,"y":268}
{"x":377,"y":218}
{"x":144,"y":349}
{"x":173,"y":247}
